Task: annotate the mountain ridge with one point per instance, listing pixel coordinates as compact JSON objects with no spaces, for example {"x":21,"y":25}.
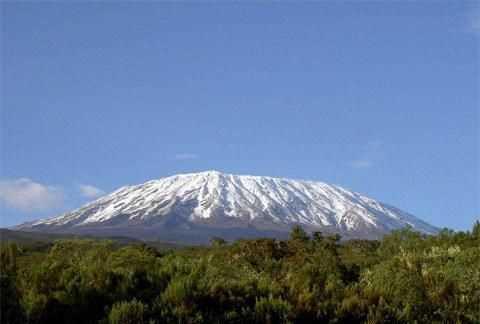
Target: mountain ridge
{"x":212,"y":202}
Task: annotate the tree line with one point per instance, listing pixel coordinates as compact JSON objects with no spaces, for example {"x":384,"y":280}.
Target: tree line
{"x":407,"y":277}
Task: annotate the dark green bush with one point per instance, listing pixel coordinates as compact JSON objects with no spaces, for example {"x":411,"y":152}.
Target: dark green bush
{"x":130,"y":312}
{"x":405,"y":278}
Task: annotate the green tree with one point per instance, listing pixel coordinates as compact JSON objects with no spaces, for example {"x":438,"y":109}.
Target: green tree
{"x":131,"y":312}
{"x":217,"y":241}
{"x":476,"y":229}
{"x":11,"y":311}
{"x":298,"y":234}
{"x":270,"y":310}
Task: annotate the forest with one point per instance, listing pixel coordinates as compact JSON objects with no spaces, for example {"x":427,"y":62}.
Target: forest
{"x":406,"y":277}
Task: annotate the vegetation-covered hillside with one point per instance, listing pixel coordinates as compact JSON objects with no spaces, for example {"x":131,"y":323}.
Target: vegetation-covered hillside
{"x":405,"y":278}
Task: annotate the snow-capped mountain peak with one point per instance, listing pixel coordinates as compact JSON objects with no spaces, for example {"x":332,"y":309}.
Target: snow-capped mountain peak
{"x":212,"y":199}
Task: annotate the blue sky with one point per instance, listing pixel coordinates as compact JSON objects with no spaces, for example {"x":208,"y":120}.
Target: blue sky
{"x":380,"y":97}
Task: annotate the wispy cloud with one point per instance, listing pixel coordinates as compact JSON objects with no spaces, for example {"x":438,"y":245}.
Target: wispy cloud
{"x":473,"y":20}
{"x":27,"y":195}
{"x":369,"y":155}
{"x":361,"y":164}
{"x":90,"y":191}
{"x":186,"y":156}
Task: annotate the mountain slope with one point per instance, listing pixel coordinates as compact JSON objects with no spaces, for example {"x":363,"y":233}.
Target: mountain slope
{"x":199,"y":205}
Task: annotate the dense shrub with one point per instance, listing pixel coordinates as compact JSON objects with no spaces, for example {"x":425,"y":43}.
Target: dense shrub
{"x":405,"y":278}
{"x":131,"y":312}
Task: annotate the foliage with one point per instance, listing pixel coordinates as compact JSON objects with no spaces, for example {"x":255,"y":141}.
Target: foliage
{"x":11,"y":311}
{"x":405,"y":278}
{"x":131,"y":312}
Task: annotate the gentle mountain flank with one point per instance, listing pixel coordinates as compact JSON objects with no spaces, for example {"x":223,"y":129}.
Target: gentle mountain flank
{"x":196,"y":206}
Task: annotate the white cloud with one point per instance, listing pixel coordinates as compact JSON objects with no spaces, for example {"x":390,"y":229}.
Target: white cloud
{"x":472,"y":20}
{"x":186,"y":156}
{"x":90,"y":191}
{"x":475,"y":23}
{"x":27,"y":195}
{"x":369,"y":155}
{"x":361,"y":164}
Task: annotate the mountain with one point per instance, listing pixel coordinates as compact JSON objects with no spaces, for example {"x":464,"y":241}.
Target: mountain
{"x":194,"y":207}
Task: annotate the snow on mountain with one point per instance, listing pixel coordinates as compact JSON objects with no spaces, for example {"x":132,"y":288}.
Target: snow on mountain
{"x":213,"y":200}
